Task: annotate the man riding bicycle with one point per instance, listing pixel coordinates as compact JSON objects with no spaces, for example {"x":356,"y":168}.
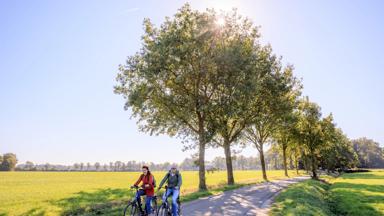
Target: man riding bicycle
{"x":173,"y":179}
{"x":148,"y":186}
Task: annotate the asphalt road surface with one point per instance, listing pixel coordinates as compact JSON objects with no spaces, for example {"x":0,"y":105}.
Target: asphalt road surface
{"x":249,"y":200}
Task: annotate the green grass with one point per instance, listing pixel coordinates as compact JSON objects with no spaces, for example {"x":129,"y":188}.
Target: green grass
{"x":88,"y":193}
{"x":305,"y":199}
{"x":358,"y":194}
{"x":353,"y":194}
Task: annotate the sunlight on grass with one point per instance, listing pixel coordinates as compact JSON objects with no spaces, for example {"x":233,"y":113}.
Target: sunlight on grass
{"x":359,"y":193}
{"x":353,"y":194}
{"x":306,"y":198}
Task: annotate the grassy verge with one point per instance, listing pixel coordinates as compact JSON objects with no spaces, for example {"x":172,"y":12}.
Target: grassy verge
{"x":352,"y":194}
{"x":304,"y":198}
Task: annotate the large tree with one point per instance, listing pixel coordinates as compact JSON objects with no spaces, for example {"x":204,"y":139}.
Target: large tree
{"x":271,"y":102}
{"x":171,"y":85}
{"x":238,"y":58}
{"x":285,"y":136}
{"x":9,"y":162}
{"x":311,"y":134}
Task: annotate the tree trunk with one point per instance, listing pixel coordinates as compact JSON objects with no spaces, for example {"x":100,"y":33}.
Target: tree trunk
{"x":202,"y":184}
{"x":296,"y":165}
{"x":285,"y":159}
{"x":291,"y":166}
{"x":314,"y":166}
{"x":262,"y":161}
{"x":228,"y":161}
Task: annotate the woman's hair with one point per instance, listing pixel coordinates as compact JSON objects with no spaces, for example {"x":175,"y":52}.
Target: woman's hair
{"x":149,"y":172}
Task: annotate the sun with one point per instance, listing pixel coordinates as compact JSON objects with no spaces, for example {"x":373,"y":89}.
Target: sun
{"x":220,"y":21}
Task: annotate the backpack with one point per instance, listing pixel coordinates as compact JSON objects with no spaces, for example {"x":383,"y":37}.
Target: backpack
{"x":177,"y":175}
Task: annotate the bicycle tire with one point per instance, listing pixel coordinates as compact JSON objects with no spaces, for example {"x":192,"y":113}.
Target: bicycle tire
{"x":154,"y":206}
{"x":163,"y":211}
{"x":130,"y":210}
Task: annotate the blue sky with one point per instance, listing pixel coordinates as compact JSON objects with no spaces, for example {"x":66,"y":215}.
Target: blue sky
{"x":59,"y":59}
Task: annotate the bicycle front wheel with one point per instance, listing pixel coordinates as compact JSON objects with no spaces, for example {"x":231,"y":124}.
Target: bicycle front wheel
{"x":131,"y":210}
{"x":163,"y":211}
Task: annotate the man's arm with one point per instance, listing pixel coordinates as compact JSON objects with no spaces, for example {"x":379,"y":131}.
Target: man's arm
{"x":163,"y":181}
{"x":180,"y":181}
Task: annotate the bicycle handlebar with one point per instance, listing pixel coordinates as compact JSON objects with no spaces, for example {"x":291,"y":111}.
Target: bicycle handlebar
{"x":134,"y":187}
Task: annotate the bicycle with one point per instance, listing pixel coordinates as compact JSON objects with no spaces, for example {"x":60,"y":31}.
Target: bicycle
{"x":165,"y":210}
{"x":133,"y":208}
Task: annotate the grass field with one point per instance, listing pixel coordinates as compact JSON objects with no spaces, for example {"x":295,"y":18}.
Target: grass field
{"x":354,"y":194}
{"x":65,"y":193}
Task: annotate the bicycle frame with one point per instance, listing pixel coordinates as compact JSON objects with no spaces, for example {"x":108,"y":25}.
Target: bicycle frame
{"x":166,"y":206}
{"x":135,"y":204}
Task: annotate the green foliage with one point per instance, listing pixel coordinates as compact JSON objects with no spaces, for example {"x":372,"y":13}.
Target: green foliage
{"x":8,"y":162}
{"x":271,"y":104}
{"x":311,"y":132}
{"x":338,"y":153}
{"x":370,"y":154}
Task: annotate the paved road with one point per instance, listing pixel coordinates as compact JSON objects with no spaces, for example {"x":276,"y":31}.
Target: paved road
{"x":249,"y":200}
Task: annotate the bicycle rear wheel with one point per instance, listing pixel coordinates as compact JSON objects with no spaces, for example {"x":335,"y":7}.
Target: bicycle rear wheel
{"x":131,"y":210}
{"x":178,"y":206}
{"x":154,"y":206}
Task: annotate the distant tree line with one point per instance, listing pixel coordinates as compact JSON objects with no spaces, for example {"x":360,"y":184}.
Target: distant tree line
{"x":117,"y":166}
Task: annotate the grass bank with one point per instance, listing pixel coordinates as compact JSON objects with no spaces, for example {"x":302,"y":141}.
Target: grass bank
{"x":352,"y":194}
{"x":305,"y":198}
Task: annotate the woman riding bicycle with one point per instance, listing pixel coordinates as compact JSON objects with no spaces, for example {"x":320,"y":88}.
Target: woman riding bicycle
{"x":148,"y":186}
{"x":174,"y":181}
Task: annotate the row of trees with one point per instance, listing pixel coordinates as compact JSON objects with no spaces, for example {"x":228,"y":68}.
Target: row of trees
{"x":215,"y":85}
{"x":8,"y":162}
{"x":112,"y":166}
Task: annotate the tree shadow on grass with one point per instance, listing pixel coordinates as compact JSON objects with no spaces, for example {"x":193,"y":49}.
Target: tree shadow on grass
{"x":94,"y":203}
{"x":350,"y":199}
